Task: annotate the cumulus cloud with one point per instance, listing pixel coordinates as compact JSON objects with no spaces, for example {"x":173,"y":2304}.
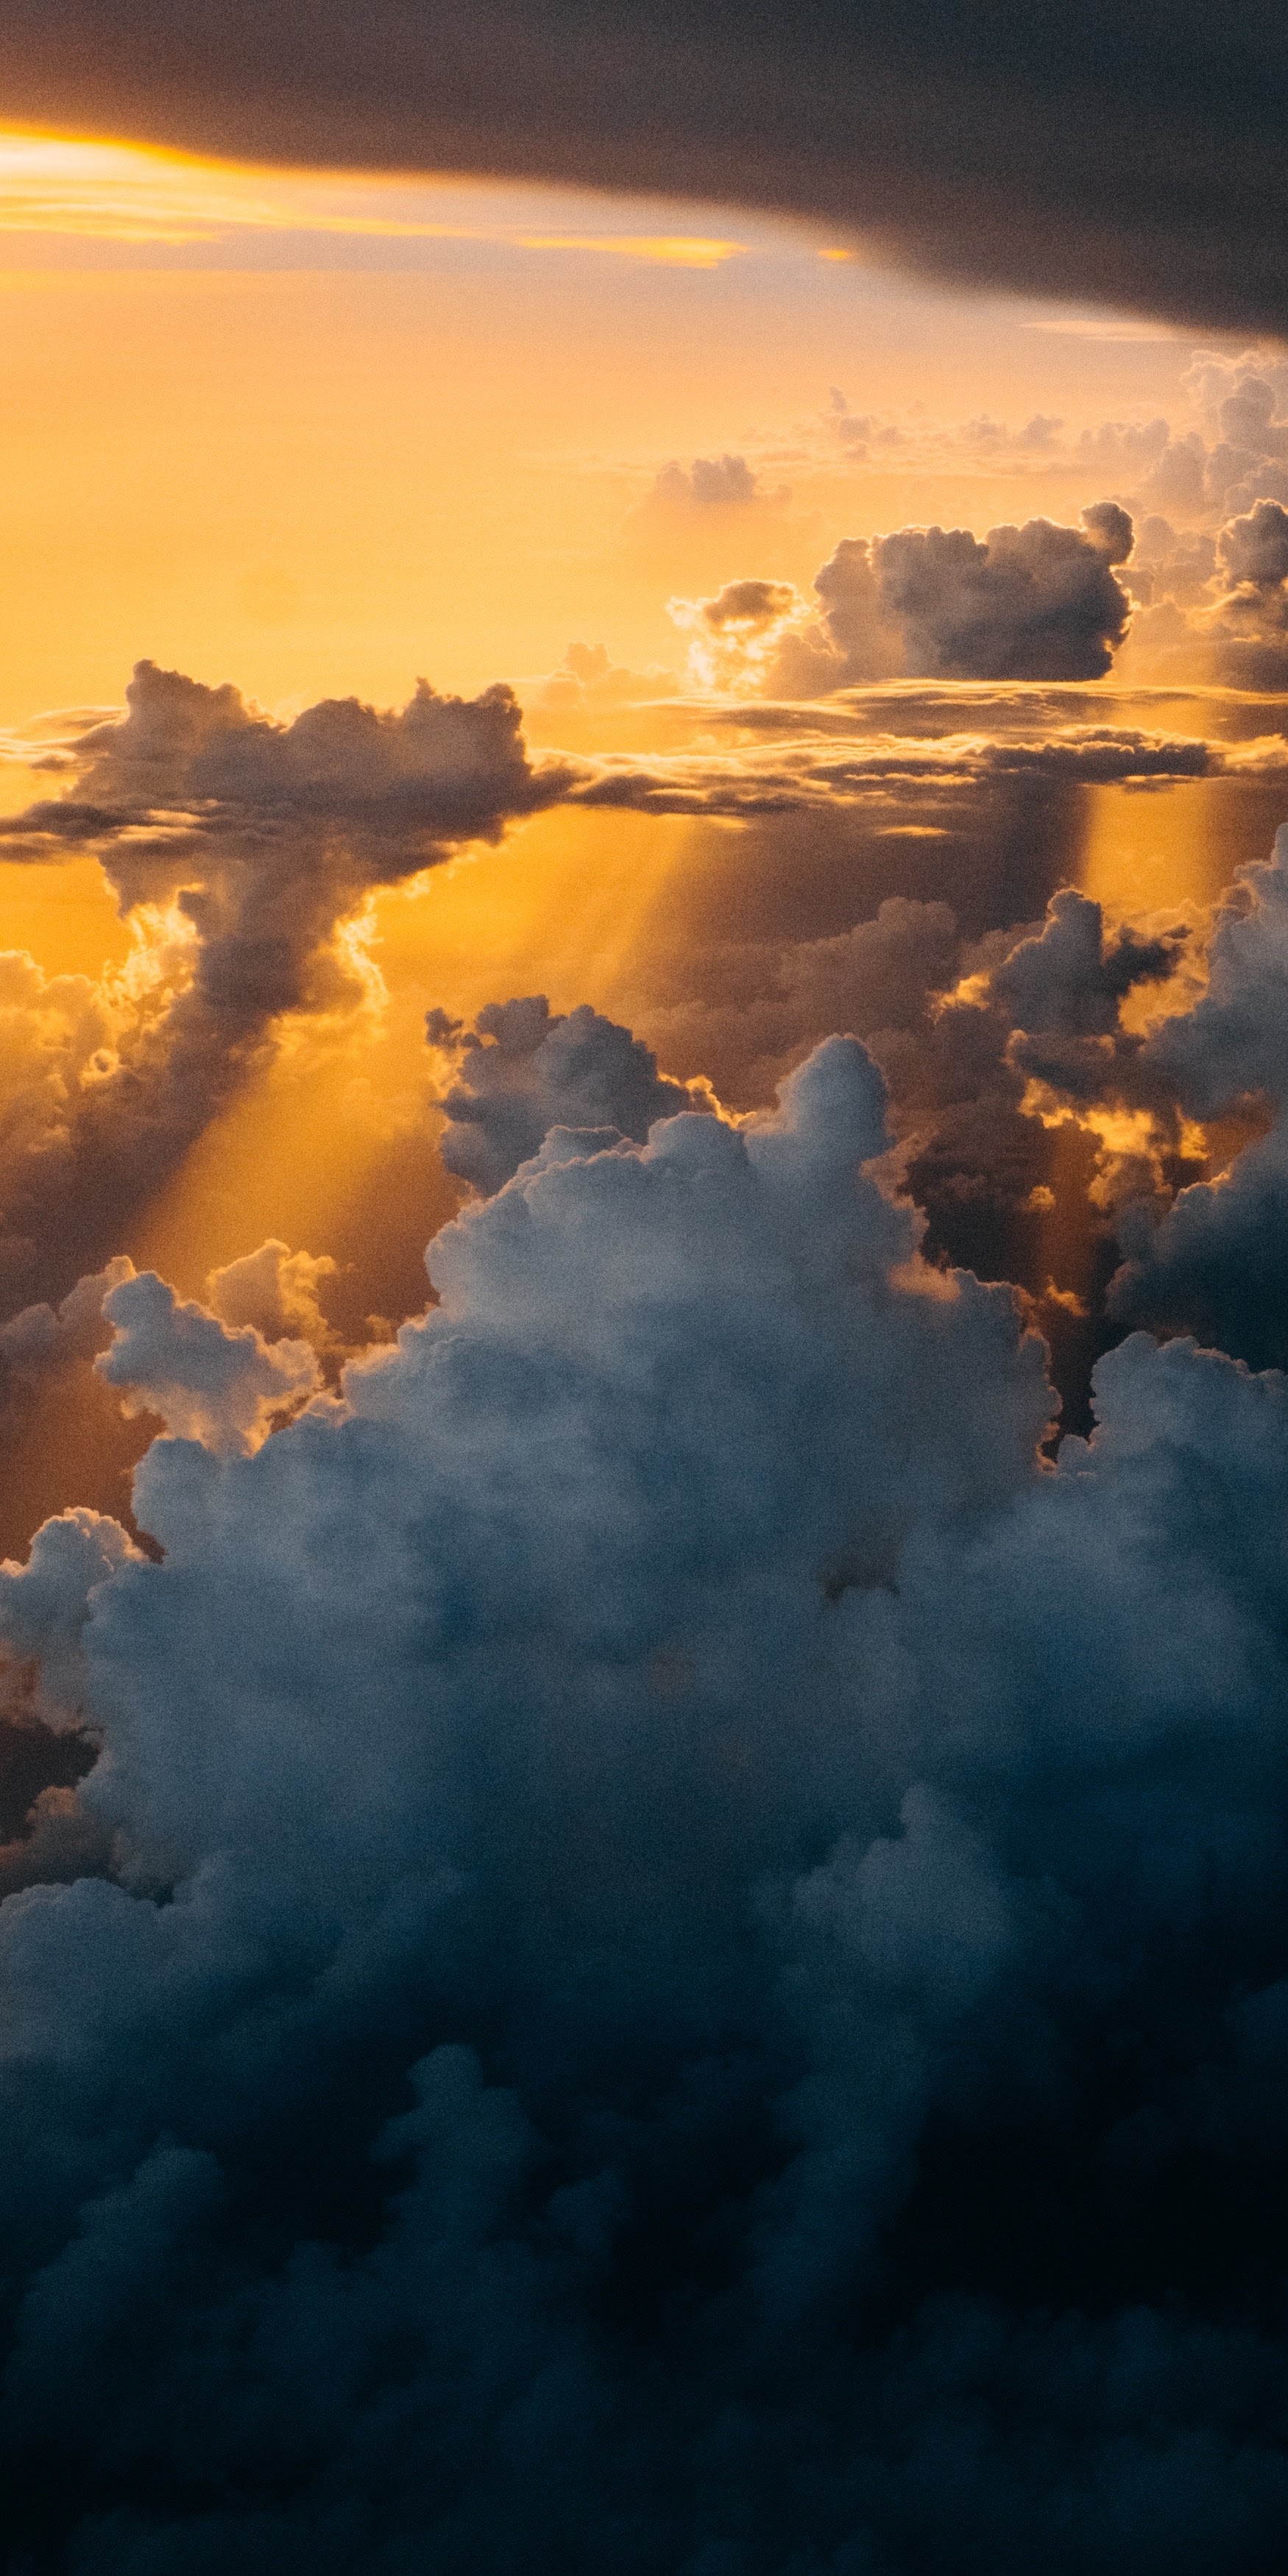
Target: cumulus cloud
{"x":1248,"y":618}
{"x":710,"y":483}
{"x":709,"y":1914}
{"x":41,"y":1337}
{"x":273,"y":1290}
{"x":735,"y":636}
{"x":208,"y":1380}
{"x":285,"y":825}
{"x":588,"y":682}
{"x":522,"y":1070}
{"x":1039,"y":602}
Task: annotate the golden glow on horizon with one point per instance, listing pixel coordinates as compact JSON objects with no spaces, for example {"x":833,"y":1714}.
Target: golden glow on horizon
{"x":133,"y":193}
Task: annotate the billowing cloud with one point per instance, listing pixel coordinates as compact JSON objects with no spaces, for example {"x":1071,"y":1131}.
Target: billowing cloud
{"x":273,"y":1289}
{"x":208,"y":1380}
{"x":243,"y":850}
{"x":648,"y":1864}
{"x":285,"y":826}
{"x":1039,"y":602}
{"x":1248,"y":619}
{"x":522,"y":1070}
{"x":737,"y":634}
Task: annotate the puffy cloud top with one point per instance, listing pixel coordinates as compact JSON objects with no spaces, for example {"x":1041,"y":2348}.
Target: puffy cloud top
{"x":1255,"y":548}
{"x":1033,"y":603}
{"x":201,"y":766}
{"x":649,"y":1862}
{"x":710,"y":483}
{"x":523,"y":1070}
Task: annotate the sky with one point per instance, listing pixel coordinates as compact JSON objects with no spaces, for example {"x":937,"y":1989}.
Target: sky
{"x":643,"y":1207}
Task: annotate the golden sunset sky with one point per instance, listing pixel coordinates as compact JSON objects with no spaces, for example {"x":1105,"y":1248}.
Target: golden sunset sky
{"x":319,"y":435}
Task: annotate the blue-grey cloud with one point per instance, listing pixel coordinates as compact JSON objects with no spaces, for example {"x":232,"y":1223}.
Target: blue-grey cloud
{"x":688,"y":1959}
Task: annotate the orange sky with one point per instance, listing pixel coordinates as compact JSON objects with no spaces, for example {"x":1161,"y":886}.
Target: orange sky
{"x":345,"y":432}
{"x":320,"y":436}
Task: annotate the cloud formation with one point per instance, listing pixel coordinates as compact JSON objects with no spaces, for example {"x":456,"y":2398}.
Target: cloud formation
{"x":523,"y":1070}
{"x":709,"y":483}
{"x":208,"y":1380}
{"x":1029,"y":154}
{"x":1039,"y":602}
{"x":635,"y":1998}
{"x":285,"y":825}
{"x":1213,"y":1262}
{"x":812,"y":766}
{"x":243,"y":850}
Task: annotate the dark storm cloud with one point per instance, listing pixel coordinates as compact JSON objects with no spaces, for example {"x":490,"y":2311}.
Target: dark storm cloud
{"x":1129,"y":155}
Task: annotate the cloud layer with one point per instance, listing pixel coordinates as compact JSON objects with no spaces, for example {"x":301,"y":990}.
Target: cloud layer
{"x":1135,"y":160}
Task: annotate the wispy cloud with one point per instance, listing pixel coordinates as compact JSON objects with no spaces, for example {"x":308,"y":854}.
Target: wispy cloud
{"x":129,"y":194}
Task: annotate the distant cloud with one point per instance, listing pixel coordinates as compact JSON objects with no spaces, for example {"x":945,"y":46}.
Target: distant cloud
{"x":1034,"y":603}
{"x":710,"y":483}
{"x":825,"y":769}
{"x":708,"y":486}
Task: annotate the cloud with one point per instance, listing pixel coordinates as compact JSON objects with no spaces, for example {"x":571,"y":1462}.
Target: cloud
{"x":1231,"y":589}
{"x":1033,"y":603}
{"x":285,"y":826}
{"x":1213,"y":1263}
{"x":39,"y":1338}
{"x":1248,"y":618}
{"x":1041,"y":161}
{"x":523,"y":1070}
{"x":710,"y":483}
{"x":822,"y":769}
{"x":673,"y":1904}
{"x":1254,"y":550}
{"x":588,"y":682}
{"x":273,"y":1290}
{"x":243,"y":850}
{"x":737,"y":634}
{"x":208,"y":1380}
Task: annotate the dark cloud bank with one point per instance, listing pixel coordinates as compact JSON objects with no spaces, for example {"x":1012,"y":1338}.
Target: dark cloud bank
{"x":653,"y":1936}
{"x":1130,"y":154}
